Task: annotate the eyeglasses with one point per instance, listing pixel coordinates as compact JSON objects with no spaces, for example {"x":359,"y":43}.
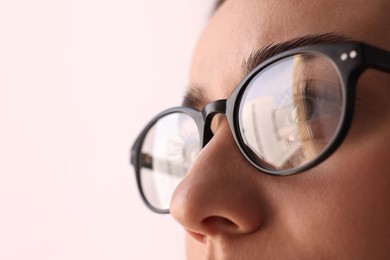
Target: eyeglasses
{"x":286,"y":116}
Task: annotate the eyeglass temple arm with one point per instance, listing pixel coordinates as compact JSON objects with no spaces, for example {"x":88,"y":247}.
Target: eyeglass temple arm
{"x":377,"y":58}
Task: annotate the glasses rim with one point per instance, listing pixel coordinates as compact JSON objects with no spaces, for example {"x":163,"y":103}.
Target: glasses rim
{"x":350,"y":59}
{"x":135,"y":155}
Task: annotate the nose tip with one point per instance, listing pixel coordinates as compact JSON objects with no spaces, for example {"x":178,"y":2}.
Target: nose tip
{"x":206,"y":215}
{"x":218,"y":195}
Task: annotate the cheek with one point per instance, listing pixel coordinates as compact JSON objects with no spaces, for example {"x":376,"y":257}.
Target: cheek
{"x":346,"y":198}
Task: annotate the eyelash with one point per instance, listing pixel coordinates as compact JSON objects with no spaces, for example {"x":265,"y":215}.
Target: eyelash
{"x":312,"y":91}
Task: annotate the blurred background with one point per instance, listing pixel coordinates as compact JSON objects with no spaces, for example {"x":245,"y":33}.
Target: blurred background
{"x":78,"y":81}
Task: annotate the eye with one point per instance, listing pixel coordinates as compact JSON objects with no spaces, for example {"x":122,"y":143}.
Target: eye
{"x":316,"y":100}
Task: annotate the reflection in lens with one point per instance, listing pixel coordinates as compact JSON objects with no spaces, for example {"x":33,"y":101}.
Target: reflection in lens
{"x":168,"y":151}
{"x":290,"y":111}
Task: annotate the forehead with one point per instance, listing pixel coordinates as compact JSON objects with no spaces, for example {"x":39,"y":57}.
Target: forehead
{"x":239,"y":28}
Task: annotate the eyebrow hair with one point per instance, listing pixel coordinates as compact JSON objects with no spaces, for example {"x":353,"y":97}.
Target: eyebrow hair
{"x":257,"y":57}
{"x":195,"y":96}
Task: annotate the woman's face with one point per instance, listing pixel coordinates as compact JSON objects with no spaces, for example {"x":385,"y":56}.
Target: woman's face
{"x":340,"y":208}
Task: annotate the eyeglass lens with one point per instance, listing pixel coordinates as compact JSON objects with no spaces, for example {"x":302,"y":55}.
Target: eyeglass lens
{"x":168,"y":151}
{"x":290,"y":111}
{"x":288,"y":114}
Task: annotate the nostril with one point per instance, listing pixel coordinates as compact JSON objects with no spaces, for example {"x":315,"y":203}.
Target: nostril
{"x":217,"y":224}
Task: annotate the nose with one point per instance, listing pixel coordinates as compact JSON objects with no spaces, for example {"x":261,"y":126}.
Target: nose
{"x":219,"y":195}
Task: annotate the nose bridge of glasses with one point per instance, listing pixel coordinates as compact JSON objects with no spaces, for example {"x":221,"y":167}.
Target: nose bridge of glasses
{"x":208,"y":112}
{"x":213,"y":108}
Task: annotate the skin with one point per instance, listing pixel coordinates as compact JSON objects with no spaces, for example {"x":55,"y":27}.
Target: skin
{"x":337,"y":210}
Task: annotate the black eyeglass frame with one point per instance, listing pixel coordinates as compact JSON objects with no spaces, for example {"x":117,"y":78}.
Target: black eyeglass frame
{"x":351,"y":59}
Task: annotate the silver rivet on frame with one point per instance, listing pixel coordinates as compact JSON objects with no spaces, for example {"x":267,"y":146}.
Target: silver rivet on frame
{"x":344,"y":56}
{"x":353,"y":54}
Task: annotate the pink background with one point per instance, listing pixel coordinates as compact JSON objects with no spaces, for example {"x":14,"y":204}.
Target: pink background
{"x":78,"y":81}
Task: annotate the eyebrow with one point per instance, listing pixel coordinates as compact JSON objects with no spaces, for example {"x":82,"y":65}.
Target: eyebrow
{"x":259,"y":56}
{"x":195,"y":96}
